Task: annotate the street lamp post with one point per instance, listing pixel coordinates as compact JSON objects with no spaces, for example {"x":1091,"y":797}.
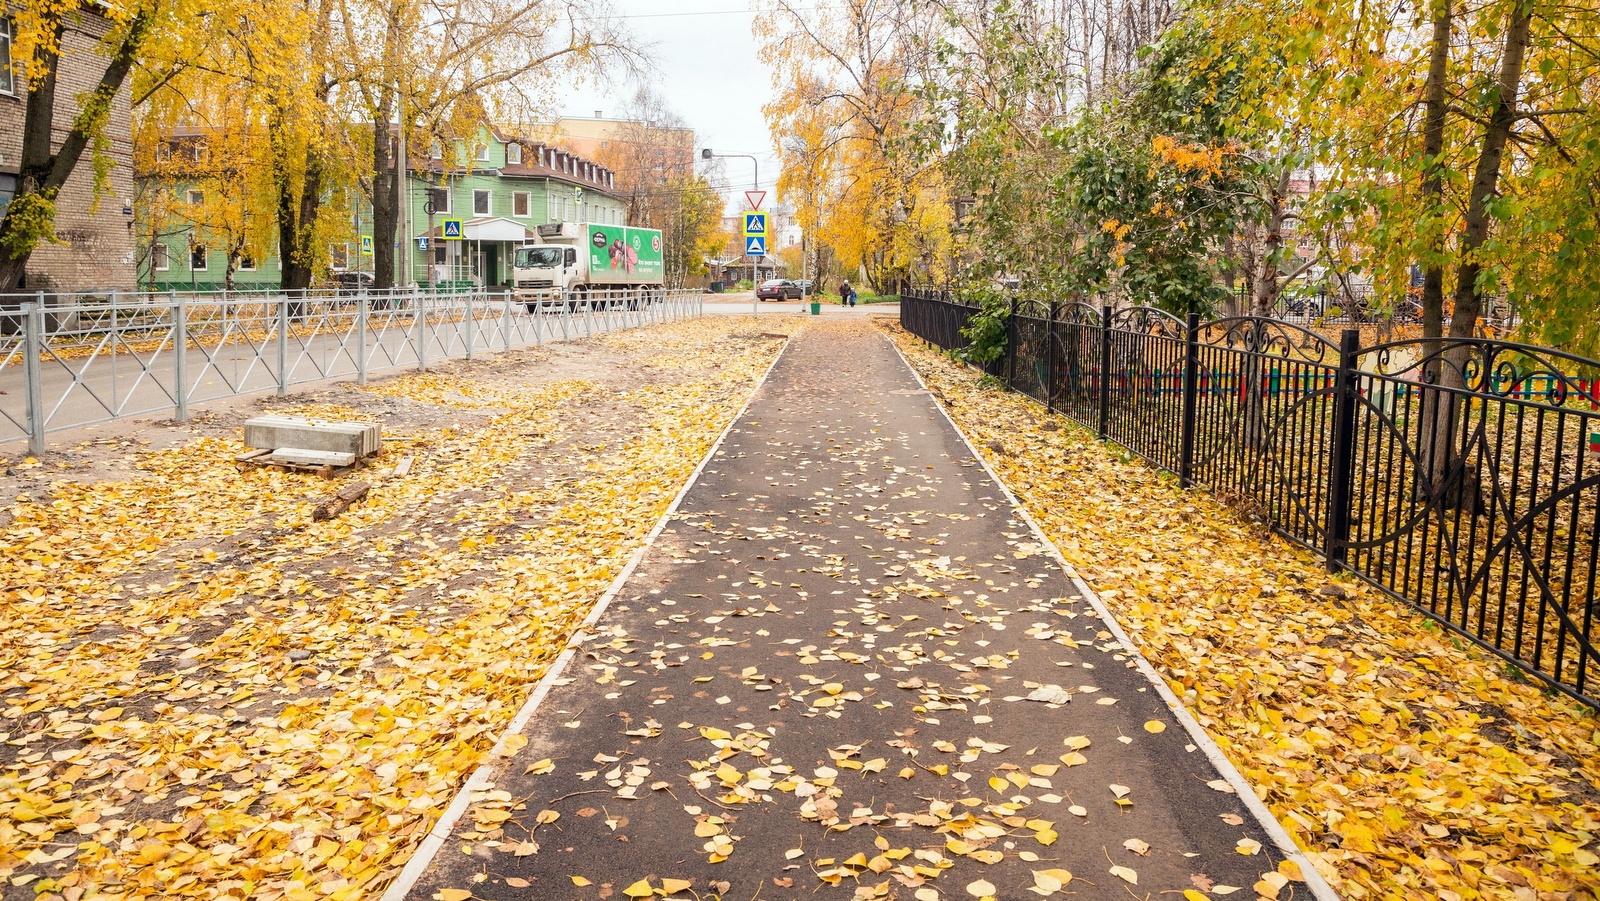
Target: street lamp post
{"x":706,"y":154}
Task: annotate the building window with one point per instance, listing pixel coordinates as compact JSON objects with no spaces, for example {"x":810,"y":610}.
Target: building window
{"x":7,"y":80}
{"x":247,"y":263}
{"x":339,"y":256}
{"x":514,"y":154}
{"x":197,"y":258}
{"x":196,"y":198}
{"x":163,"y":152}
{"x":201,"y":151}
{"x":481,"y":153}
{"x":435,"y":152}
{"x":439,"y":255}
{"x":480,"y":203}
{"x":8,"y":190}
{"x":519,"y":204}
{"x":160,"y":257}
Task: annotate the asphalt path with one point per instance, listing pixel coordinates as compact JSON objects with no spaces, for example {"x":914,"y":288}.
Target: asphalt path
{"x":847,"y":668}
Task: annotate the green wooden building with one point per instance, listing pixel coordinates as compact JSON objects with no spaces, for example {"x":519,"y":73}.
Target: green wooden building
{"x":460,"y":222}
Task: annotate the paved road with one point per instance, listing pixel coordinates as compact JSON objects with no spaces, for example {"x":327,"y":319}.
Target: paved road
{"x":847,"y":665}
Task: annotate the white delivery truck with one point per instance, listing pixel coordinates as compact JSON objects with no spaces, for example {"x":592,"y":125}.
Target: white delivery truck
{"x":588,"y":265}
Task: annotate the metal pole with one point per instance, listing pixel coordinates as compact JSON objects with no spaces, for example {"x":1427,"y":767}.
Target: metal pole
{"x":180,"y":359}
{"x":505,"y":322}
{"x":1011,"y":344}
{"x":421,"y":324}
{"x":1191,"y":396}
{"x":32,"y":348}
{"x":1049,"y":356}
{"x":362,"y":305}
{"x":283,"y":345}
{"x":1105,"y":370}
{"x":469,"y":321}
{"x":1340,"y":487}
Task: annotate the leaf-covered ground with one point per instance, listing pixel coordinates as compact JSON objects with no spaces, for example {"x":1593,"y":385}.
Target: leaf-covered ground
{"x":1409,"y":763}
{"x":206,"y":694}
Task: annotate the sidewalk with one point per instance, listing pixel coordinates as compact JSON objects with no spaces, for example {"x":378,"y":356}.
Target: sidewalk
{"x":847,"y":668}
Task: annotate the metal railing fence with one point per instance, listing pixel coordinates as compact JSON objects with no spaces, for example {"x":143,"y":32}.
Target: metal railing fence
{"x":88,"y":360}
{"x":1461,"y":476}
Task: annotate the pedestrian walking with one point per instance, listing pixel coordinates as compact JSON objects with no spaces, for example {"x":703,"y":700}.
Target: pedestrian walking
{"x":844,"y":293}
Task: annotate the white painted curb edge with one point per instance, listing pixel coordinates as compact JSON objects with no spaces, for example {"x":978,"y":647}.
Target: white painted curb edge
{"x":1214,"y":753}
{"x":479,"y":780}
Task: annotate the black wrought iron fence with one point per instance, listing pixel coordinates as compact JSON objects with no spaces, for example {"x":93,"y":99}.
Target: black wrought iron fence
{"x":1461,"y":476}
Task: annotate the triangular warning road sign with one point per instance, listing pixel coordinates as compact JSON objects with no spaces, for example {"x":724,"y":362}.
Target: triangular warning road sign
{"x":755,"y":198}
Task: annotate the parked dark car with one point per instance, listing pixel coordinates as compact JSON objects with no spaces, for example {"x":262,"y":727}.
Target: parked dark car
{"x":351,"y":284}
{"x":777,"y":289}
{"x":807,"y":286}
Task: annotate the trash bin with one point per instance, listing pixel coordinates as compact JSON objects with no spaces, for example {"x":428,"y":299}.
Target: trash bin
{"x":816,"y":308}
{"x":716,"y":287}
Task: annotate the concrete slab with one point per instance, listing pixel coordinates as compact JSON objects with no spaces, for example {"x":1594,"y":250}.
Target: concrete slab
{"x":847,"y":669}
{"x":276,"y":431}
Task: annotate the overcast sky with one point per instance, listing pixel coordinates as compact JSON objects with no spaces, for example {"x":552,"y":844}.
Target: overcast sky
{"x":709,"y":71}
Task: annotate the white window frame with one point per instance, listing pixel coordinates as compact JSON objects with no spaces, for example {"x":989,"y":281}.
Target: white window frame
{"x":200,"y":150}
{"x":246,"y":258}
{"x":488,"y":201}
{"x":481,"y":153}
{"x":194,"y":198}
{"x":449,"y":199}
{"x":8,"y":73}
{"x":435,"y":151}
{"x":525,"y":201}
{"x":160,"y":257}
{"x":205,"y":259}
{"x":333,"y":261}
{"x":513,"y":154}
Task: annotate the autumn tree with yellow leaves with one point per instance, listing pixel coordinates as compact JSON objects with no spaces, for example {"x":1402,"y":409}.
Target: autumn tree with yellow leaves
{"x":316,"y":94}
{"x":39,"y":27}
{"x":844,"y":118}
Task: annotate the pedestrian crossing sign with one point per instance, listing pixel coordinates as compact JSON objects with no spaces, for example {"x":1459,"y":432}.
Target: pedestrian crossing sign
{"x":755,"y":245}
{"x":755,"y":224}
{"x":366,"y":245}
{"x":452,"y":229}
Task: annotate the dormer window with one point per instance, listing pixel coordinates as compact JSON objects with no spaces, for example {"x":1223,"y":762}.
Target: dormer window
{"x":481,"y":153}
{"x":201,"y":151}
{"x":514,"y":154}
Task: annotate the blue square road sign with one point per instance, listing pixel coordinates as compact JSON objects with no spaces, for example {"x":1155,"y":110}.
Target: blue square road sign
{"x":755,"y":224}
{"x":755,"y":246}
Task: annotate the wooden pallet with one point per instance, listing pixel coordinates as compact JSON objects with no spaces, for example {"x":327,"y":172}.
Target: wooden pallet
{"x":270,"y":458}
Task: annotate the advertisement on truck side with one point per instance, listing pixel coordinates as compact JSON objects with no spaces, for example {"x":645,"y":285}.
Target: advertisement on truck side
{"x":622,"y":254}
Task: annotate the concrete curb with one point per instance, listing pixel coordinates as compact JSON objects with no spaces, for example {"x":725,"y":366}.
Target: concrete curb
{"x":479,"y":780}
{"x":1197,"y":733}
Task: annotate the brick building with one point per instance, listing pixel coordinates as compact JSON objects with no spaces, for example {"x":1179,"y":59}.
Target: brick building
{"x":97,"y":238}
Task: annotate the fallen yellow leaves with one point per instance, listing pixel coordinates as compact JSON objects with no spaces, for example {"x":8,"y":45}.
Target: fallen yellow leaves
{"x":206,"y":694}
{"x":1403,"y":759}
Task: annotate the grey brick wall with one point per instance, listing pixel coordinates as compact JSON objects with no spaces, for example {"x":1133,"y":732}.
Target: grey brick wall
{"x":97,"y":248}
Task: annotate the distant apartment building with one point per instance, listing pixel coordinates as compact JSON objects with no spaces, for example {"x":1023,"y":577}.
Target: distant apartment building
{"x":96,"y":248}
{"x":497,"y":191}
{"x":671,"y":149}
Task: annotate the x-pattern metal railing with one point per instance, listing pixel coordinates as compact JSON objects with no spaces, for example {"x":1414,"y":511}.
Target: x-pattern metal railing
{"x":95,"y":359}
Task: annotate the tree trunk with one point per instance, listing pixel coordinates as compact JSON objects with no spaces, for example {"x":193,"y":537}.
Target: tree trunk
{"x":1436,"y":411}
{"x":42,"y":174}
{"x":1486,"y":179}
{"x":1264,"y":278}
{"x":1448,"y":481}
{"x":1433,"y":167}
{"x":386,"y":176}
